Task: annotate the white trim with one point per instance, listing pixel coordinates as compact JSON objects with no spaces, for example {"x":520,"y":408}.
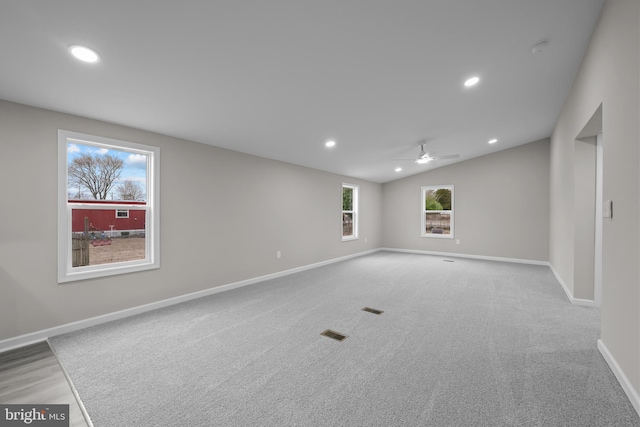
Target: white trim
{"x":42,"y":335}
{"x":29,"y":339}
{"x":423,"y":212}
{"x":38,"y":336}
{"x":354,"y":211}
{"x":67,"y":273}
{"x":457,"y":255}
{"x":631,"y":392}
{"x":583,"y":302}
{"x":574,"y":301}
{"x":597,"y":273}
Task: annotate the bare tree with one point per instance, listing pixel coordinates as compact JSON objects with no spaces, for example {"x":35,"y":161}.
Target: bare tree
{"x":95,"y":173}
{"x":130,"y":190}
{"x":79,"y":195}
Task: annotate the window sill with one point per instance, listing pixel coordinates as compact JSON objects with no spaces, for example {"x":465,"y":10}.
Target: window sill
{"x":94,"y":272}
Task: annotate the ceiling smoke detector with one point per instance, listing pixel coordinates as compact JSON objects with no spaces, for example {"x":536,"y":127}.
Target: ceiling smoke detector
{"x":539,"y":47}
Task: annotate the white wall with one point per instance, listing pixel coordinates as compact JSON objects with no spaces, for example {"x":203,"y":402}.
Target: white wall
{"x":223,"y":217}
{"x":609,"y":75}
{"x":501,"y":206}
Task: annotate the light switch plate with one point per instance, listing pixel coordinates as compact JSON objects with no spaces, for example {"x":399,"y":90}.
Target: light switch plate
{"x":607,"y":209}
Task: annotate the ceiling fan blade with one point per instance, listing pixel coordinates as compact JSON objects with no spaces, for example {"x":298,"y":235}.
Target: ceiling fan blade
{"x":450,"y":156}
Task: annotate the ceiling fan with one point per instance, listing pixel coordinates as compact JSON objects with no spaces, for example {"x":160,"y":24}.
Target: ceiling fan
{"x":424,"y":157}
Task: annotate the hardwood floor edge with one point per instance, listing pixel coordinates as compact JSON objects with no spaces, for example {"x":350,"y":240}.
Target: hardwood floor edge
{"x":85,"y":414}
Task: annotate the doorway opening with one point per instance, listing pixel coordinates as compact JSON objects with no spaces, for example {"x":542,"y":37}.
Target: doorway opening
{"x":588,"y":182}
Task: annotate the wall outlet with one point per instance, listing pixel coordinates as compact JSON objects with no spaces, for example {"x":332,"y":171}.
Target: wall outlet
{"x":278,"y":254}
{"x":457,"y":241}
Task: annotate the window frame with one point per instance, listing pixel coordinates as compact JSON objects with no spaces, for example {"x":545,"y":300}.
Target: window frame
{"x":423,"y":212}
{"x":354,"y":212}
{"x":67,"y":273}
{"x":126,"y":211}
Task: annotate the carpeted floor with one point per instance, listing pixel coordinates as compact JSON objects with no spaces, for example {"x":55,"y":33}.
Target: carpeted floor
{"x":464,"y":343}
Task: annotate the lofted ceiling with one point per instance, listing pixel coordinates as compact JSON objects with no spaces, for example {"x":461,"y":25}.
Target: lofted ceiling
{"x":278,"y":78}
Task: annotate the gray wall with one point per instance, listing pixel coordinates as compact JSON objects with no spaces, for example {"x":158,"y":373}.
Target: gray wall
{"x":223,"y":217}
{"x":584,"y":205}
{"x":501,"y":206}
{"x":610,"y":76}
{"x":224,"y":214}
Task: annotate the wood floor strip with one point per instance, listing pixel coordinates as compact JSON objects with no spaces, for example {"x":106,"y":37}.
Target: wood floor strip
{"x":32,"y":375}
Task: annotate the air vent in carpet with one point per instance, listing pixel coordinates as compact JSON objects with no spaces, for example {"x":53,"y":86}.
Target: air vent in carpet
{"x":335,"y":335}
{"x":372,"y":310}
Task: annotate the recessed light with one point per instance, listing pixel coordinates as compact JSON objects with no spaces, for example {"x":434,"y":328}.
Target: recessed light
{"x":330,"y":143}
{"x":84,"y":53}
{"x":472,"y":81}
{"x":493,"y":141}
{"x":398,"y":169}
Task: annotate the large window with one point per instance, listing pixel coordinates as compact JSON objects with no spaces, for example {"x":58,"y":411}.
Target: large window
{"x":437,"y":211}
{"x":349,"y":212}
{"x":108,"y":219}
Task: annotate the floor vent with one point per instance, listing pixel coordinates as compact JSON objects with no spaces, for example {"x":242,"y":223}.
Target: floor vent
{"x":448,"y":260}
{"x":335,"y":335}
{"x":372,"y":310}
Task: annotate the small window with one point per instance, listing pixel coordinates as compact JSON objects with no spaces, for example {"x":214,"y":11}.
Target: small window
{"x":349,"y":212}
{"x":437,"y":211}
{"x":108,"y":199}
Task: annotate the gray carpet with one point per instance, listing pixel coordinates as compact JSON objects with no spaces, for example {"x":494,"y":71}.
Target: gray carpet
{"x":464,"y":343}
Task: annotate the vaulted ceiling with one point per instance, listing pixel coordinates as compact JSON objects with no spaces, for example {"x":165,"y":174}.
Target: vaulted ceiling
{"x":278,"y":78}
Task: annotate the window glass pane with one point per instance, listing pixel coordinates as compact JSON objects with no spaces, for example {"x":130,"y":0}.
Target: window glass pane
{"x":438,"y":223}
{"x":99,"y":173}
{"x":347,"y":224}
{"x":96,"y":240}
{"x":347,"y":199}
{"x":438,"y":199}
{"x":443,"y":196}
{"x":108,"y":218}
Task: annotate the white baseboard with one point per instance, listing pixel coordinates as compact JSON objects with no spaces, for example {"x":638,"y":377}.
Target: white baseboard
{"x":630,"y":391}
{"x":574,"y":301}
{"x":583,"y":302}
{"x":42,"y":335}
{"x":39,"y":336}
{"x":456,"y":255}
